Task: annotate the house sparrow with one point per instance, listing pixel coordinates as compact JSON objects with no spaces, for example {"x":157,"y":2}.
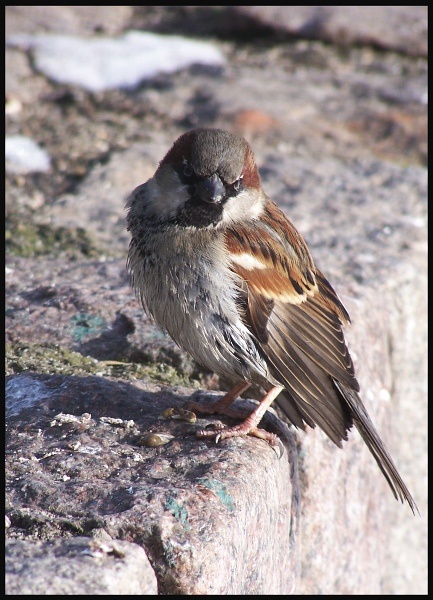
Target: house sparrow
{"x":219,"y":266}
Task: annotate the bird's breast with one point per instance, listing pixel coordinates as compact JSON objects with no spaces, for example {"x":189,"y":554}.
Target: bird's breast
{"x":191,"y":292}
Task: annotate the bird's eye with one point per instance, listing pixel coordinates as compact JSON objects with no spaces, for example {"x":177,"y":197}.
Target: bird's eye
{"x":234,"y":188}
{"x":187,"y":169}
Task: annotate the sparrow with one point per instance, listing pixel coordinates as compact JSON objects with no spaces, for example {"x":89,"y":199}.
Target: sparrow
{"x":223,"y":271}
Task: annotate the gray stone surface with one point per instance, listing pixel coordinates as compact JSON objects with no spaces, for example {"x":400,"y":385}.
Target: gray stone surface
{"x":398,"y":28}
{"x":213,"y":519}
{"x":340,"y":135}
{"x":78,"y":566}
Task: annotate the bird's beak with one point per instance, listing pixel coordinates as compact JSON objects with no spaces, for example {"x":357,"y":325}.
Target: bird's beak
{"x":211,"y":189}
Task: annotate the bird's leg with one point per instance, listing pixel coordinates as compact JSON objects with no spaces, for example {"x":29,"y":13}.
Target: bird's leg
{"x":221,"y":406}
{"x":249,"y":425}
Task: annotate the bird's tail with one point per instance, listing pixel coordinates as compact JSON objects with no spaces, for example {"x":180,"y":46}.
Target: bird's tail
{"x":376,"y":446}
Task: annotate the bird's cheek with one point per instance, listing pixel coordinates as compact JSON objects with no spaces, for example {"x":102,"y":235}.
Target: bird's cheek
{"x":166,"y":196}
{"x":246,"y":206}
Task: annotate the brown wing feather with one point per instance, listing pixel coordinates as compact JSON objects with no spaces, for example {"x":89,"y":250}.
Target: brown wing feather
{"x":302,"y":367}
{"x":298,"y":321}
{"x":297,"y":317}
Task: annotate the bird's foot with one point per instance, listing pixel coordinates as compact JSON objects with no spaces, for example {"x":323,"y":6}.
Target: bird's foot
{"x":220,"y":432}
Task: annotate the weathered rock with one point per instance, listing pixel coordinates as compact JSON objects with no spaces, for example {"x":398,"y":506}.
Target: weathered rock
{"x":212,"y":518}
{"x":398,"y":28}
{"x":78,"y":566}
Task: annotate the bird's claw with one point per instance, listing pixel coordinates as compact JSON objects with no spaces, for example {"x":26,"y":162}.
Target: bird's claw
{"x":221,"y":432}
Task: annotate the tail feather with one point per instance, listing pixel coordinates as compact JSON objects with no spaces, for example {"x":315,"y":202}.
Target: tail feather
{"x":376,"y":446}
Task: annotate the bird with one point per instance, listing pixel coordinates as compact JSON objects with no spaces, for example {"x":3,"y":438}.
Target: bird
{"x":219,"y":266}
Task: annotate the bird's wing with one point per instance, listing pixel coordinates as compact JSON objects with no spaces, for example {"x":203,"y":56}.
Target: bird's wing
{"x":298,"y":321}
